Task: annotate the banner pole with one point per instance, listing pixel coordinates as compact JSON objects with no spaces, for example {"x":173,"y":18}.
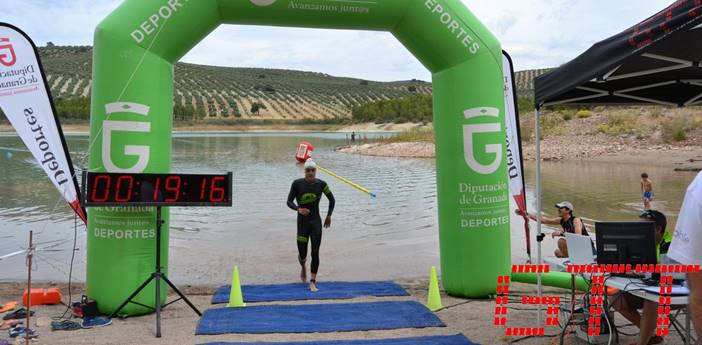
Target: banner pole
{"x":514,"y":145}
{"x":539,"y":238}
{"x":30,"y":253}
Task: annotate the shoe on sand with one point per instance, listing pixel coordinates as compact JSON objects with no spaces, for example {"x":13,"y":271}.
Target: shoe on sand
{"x":20,"y":331}
{"x":20,"y":313}
{"x":98,"y":321}
{"x":655,"y":340}
{"x":8,"y":306}
{"x":65,"y":325}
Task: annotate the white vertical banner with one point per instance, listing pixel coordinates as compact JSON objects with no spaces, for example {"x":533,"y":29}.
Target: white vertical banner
{"x":514,"y":148}
{"x":27,"y":104}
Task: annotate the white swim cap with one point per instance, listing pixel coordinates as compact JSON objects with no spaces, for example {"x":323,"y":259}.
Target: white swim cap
{"x":310,"y":164}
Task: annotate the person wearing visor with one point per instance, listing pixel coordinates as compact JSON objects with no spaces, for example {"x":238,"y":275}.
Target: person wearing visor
{"x":568,"y":223}
{"x":307,"y":192}
{"x":628,"y":304}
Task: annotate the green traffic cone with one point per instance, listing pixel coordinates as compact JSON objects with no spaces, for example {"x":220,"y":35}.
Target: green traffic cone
{"x":434,"y":297}
{"x":236,"y":300}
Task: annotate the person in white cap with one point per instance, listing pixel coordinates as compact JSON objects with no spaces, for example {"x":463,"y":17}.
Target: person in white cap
{"x":568,"y":223}
{"x":308,"y":192}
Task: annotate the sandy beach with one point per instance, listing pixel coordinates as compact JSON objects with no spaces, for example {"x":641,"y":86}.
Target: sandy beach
{"x":473,"y":318}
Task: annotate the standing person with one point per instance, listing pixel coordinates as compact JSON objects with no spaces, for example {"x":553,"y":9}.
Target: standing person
{"x":567,"y":221}
{"x":308,"y":192}
{"x":628,"y":305}
{"x":686,"y":247}
{"x":647,"y":191}
{"x":353,"y":136}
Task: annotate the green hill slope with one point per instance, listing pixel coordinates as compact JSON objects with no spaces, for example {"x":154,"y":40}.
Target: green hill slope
{"x":226,"y":92}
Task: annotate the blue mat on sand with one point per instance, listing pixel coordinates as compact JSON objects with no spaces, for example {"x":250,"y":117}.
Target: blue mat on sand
{"x":301,"y":291}
{"x":435,"y":340}
{"x":317,"y":318}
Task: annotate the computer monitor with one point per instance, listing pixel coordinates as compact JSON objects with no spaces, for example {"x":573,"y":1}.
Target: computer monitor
{"x":626,"y":243}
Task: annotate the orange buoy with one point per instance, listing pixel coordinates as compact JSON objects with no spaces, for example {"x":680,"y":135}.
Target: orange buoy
{"x":43,"y":296}
{"x":304,"y":151}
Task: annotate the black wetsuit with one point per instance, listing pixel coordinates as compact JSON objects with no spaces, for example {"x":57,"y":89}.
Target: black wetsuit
{"x":308,"y":195}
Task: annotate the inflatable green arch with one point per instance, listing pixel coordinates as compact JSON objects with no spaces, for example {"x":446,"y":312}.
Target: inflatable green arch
{"x":132,"y":100}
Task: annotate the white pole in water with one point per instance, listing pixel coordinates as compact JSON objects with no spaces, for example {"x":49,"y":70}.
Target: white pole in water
{"x":537,"y":135}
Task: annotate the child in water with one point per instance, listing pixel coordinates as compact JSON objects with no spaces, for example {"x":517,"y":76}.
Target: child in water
{"x":647,"y":190}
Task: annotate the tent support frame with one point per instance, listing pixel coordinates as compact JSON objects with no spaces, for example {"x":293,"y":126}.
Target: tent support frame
{"x":539,"y":235}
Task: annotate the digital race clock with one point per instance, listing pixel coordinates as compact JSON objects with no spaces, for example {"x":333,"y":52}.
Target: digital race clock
{"x":124,"y":189}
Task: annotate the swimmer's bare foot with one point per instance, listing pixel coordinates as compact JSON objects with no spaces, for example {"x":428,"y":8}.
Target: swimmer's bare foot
{"x":313,"y":285}
{"x":303,"y":274}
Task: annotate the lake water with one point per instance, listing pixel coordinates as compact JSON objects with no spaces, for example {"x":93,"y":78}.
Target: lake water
{"x":393,"y":236}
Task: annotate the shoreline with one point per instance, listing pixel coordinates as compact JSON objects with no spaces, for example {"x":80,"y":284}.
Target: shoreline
{"x":683,"y":156}
{"x":84,"y":128}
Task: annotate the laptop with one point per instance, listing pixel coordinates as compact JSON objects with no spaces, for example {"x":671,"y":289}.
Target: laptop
{"x":579,"y":249}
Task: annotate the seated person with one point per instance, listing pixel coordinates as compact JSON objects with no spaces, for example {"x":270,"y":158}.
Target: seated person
{"x":628,"y":304}
{"x":568,"y":222}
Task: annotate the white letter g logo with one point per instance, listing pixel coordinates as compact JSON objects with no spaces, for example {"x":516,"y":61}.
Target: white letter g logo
{"x":470,"y":130}
{"x":142,"y":152}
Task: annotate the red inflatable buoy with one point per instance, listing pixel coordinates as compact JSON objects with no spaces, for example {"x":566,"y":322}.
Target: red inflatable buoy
{"x":304,"y":151}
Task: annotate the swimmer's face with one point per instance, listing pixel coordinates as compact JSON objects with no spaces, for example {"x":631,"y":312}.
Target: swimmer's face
{"x":310,"y":173}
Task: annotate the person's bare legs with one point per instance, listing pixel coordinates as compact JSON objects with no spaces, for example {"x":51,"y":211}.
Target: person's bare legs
{"x":562,"y":250}
{"x":621,"y":305}
{"x":302,"y":255}
{"x":694,"y":281}
{"x":303,"y":272}
{"x":647,"y":326}
{"x":314,"y":266}
{"x":313,"y":283}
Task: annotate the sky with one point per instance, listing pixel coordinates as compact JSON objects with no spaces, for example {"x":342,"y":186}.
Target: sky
{"x":537,"y":34}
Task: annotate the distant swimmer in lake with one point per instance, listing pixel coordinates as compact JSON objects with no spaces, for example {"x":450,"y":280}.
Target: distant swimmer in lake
{"x":568,"y":223}
{"x":308,"y":193}
{"x":647,"y":191}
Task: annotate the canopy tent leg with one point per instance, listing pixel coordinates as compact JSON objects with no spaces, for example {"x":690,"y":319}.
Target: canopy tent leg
{"x":539,"y":261}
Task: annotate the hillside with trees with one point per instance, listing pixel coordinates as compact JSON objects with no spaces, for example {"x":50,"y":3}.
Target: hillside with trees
{"x":209,"y":92}
{"x":204,"y":93}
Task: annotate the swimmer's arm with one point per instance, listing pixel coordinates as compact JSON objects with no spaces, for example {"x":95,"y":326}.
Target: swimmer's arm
{"x":291,"y":198}
{"x":332,"y":201}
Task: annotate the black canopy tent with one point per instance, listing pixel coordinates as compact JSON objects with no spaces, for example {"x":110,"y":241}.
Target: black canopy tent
{"x":655,"y":62}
